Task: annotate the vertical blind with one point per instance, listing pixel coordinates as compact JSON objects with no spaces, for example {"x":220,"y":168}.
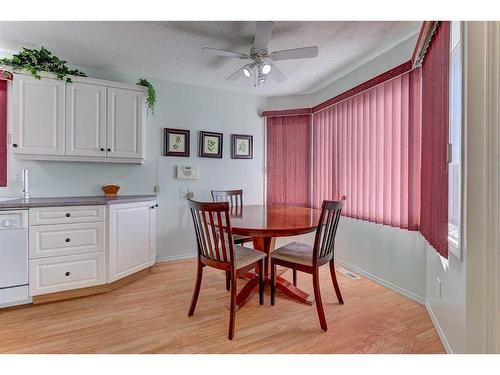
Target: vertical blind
{"x":367,"y":147}
{"x":435,"y":94}
{"x":288,"y":160}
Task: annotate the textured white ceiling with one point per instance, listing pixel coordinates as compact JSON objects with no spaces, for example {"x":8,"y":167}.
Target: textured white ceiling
{"x":172,"y":50}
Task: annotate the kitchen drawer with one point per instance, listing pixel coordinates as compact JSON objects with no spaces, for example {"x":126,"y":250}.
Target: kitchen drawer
{"x":51,"y":275}
{"x":65,"y":215}
{"x":65,"y":239}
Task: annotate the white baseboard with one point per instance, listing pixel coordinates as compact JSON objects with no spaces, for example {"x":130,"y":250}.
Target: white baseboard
{"x":439,"y":331}
{"x":175,"y":257}
{"x":387,"y":284}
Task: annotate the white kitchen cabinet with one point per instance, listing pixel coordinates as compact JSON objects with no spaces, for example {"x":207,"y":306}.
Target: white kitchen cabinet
{"x":66,"y":239}
{"x":89,"y":120}
{"x":38,"y":116}
{"x":65,"y":215}
{"x":56,"y":274}
{"x":132,"y":238}
{"x":85,"y":119}
{"x":125,"y":126}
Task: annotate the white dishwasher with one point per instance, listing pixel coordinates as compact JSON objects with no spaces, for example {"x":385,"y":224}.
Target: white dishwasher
{"x":13,"y":258}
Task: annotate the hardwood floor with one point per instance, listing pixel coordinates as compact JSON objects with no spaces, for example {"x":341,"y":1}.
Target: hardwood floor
{"x":150,"y":316}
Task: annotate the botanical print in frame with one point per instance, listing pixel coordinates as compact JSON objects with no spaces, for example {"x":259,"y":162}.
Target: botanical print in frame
{"x":210,"y":145}
{"x":241,"y":146}
{"x":176,"y":142}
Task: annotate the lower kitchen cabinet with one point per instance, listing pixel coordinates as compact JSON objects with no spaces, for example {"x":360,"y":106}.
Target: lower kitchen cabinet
{"x":132,"y":238}
{"x":73,"y":247}
{"x":49,"y":275}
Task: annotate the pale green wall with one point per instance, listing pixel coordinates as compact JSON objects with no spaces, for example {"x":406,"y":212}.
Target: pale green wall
{"x":178,"y":106}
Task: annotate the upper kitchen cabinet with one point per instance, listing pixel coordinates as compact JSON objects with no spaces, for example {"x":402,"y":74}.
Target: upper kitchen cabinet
{"x":87,"y":120}
{"x":125,"y":123}
{"x":38,"y":116}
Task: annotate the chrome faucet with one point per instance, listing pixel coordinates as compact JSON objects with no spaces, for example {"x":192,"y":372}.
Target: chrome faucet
{"x":26,"y":191}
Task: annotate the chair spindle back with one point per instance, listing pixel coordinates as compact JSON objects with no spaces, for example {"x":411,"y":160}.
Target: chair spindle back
{"x":327,"y":228}
{"x":213,"y":230}
{"x":233,"y":197}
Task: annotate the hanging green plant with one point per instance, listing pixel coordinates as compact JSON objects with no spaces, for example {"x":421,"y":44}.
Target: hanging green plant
{"x":36,"y":61}
{"x":151,"y":98}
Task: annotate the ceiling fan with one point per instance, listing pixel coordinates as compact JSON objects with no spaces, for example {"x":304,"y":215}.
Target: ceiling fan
{"x":261,"y":65}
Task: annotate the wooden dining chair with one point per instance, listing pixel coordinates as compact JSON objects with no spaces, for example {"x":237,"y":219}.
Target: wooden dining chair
{"x":217,"y":249}
{"x":302,"y":257}
{"x":235,"y":200}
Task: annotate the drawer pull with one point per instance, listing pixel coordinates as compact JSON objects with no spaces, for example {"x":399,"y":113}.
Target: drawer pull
{"x":67,"y":239}
{"x":68,"y":273}
{"x":68,"y":214}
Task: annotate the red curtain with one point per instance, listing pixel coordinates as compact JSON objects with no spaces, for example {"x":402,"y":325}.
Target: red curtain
{"x":3,"y":133}
{"x":367,"y":147}
{"x":435,"y":94}
{"x":288,"y":160}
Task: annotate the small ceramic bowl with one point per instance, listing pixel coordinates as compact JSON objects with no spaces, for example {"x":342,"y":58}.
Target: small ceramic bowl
{"x":110,"y":190}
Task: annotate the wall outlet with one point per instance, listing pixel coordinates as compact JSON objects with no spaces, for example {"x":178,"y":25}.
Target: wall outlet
{"x":187,"y":192}
{"x":156,"y":188}
{"x":438,"y":287}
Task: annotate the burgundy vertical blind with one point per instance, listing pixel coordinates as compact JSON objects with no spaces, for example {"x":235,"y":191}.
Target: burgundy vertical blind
{"x":435,"y":94}
{"x":288,"y":160}
{"x":367,"y":147}
{"x":3,"y":133}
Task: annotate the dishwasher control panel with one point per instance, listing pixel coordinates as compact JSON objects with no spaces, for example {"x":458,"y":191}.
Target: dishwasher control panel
{"x":13,"y":219}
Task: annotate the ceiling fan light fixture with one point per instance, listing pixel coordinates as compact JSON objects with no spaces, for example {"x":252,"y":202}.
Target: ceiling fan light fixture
{"x":265,"y":69}
{"x":247,"y":71}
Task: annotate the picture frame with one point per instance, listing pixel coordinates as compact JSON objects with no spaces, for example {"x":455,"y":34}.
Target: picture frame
{"x":241,"y":146}
{"x":176,"y":142}
{"x":210,"y":145}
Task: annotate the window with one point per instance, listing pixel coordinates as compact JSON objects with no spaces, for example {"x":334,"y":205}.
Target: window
{"x":455,"y":140}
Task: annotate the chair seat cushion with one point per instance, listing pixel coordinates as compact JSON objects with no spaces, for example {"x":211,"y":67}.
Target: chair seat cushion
{"x":245,"y":256}
{"x":294,"y":252}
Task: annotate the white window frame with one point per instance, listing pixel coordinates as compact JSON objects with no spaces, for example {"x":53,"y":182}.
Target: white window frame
{"x":455,"y":242}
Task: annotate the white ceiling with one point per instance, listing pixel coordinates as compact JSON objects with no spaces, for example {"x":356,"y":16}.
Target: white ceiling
{"x":172,"y":50}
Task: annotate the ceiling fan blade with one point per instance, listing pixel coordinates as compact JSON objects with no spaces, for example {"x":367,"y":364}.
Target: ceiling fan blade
{"x":263,"y":31}
{"x":236,"y":75}
{"x":222,"y":52}
{"x":276,"y":74}
{"x":295,"y":53}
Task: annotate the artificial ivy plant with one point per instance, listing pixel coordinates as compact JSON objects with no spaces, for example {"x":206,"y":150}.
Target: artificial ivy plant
{"x":36,"y":61}
{"x":151,"y":98}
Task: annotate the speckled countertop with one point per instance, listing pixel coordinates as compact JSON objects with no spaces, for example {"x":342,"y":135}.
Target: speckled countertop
{"x":72,"y":201}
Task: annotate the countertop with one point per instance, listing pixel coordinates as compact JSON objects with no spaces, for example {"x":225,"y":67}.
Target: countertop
{"x":73,"y":201}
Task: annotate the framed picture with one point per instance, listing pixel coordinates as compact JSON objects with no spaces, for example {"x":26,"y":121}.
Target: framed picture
{"x":210,"y":145}
{"x":241,"y":146}
{"x":176,"y":142}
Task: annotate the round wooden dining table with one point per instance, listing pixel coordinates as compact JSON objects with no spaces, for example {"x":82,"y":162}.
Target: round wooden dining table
{"x":264,"y":223}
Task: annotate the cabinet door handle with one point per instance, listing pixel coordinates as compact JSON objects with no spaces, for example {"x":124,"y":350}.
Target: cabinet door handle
{"x":156,"y":205}
{"x":68,"y":214}
{"x":109,"y":150}
{"x":153,"y":207}
{"x":67,"y":240}
{"x":67,"y":273}
{"x":14,"y":145}
{"x":102,"y":148}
